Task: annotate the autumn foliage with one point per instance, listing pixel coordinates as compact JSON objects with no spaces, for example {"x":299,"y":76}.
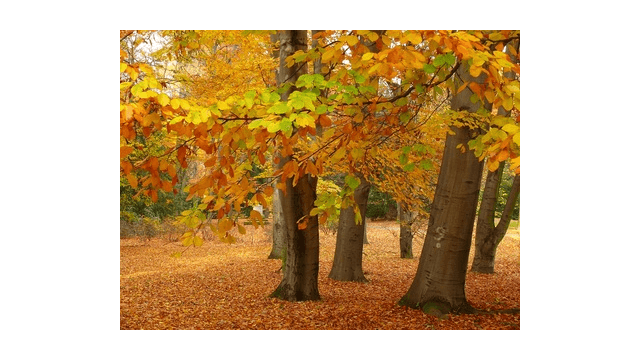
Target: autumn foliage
{"x":259,"y":112}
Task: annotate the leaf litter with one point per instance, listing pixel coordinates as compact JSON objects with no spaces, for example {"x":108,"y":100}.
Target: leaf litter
{"x":227,"y":286}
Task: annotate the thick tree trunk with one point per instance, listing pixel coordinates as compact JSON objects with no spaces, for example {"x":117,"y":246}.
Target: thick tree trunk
{"x":302,"y":259}
{"x":406,"y":236}
{"x":488,"y":235}
{"x":347,"y":260}
{"x":301,"y":264}
{"x":439,"y":284}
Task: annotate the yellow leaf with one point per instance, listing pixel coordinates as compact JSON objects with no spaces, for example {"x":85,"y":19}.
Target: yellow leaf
{"x":507,"y":104}
{"x":367,"y":56}
{"x":475,"y":71}
{"x":163,"y":99}
{"x":351,"y":40}
{"x":328,"y":55}
{"x":241,"y":229}
{"x":338,"y":155}
{"x":123,"y":67}
{"x":175,"y":104}
{"x":223,"y":105}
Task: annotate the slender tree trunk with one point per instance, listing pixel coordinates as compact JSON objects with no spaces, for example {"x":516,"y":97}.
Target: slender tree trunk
{"x":347,"y":260}
{"x":406,"y":236}
{"x":302,"y":259}
{"x":278,"y":232}
{"x":439,"y":284}
{"x":488,"y":235}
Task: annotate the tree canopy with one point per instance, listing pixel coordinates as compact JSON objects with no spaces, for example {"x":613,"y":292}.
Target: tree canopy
{"x":210,"y":96}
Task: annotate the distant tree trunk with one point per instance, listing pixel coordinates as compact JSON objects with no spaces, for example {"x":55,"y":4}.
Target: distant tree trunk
{"x":489,"y":235}
{"x":278,"y":232}
{"x":439,"y":285}
{"x":365,"y":240}
{"x":347,"y":260}
{"x":302,"y":259}
{"x":406,"y":236}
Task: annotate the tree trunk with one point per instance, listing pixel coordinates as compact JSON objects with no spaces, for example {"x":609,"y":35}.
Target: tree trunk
{"x":279,"y":234}
{"x":347,"y":260}
{"x":302,"y":259}
{"x":406,"y":236}
{"x":439,"y":284}
{"x":488,"y":235}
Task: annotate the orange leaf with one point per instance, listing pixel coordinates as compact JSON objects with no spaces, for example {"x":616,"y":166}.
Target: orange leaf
{"x":125,"y":150}
{"x":132,"y":180}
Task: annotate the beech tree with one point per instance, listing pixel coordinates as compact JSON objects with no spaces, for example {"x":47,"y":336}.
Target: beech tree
{"x":488,"y":234}
{"x":439,"y":284}
{"x":302,"y":259}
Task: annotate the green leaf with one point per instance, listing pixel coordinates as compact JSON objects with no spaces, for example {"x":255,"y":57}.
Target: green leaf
{"x":404,"y":159}
{"x":429,"y":69}
{"x":273,"y":127}
{"x":256,"y":123}
{"x":409,"y":167}
{"x":248,"y":98}
{"x":286,"y":126}
{"x":426,"y":164}
{"x":352,"y":181}
{"x":321,"y":109}
{"x":279,"y":108}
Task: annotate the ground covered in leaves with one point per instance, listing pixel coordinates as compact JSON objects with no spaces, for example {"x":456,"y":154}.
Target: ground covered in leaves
{"x":226,"y":286}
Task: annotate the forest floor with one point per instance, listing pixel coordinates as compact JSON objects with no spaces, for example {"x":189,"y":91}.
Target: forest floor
{"x":226,"y":286}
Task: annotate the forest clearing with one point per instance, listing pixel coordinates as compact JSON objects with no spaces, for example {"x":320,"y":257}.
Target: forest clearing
{"x":226,"y":286}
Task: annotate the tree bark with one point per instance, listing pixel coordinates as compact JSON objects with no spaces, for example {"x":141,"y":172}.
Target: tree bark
{"x":279,"y":234}
{"x":406,"y":236}
{"x":439,"y":285}
{"x":488,"y":235}
{"x":347,"y":260}
{"x":302,"y":259}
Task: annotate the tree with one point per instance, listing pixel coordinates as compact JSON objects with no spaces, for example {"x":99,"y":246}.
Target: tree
{"x":488,"y":234}
{"x":406,"y":236}
{"x":347,"y":260}
{"x":351,"y":236}
{"x":302,"y":261}
{"x":439,"y":284}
